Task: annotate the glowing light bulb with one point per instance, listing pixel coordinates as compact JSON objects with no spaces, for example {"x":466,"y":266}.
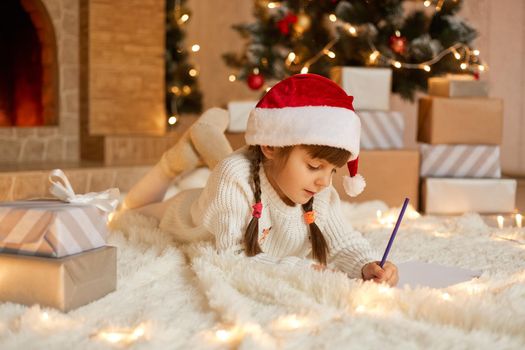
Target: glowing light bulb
{"x":332,"y":17}
{"x":360,"y":309}
{"x":195,"y":48}
{"x":475,"y":52}
{"x":481,"y":68}
{"x":232,"y":78}
{"x":397,"y":64}
{"x":374,"y":55}
{"x":427,"y":3}
{"x":519,"y":219}
{"x":223,"y":335}
{"x":184,"y":17}
{"x":193,"y":72}
{"x":330,"y":54}
{"x":172,"y":120}
{"x":291,"y":57}
{"x":426,"y":67}
{"x":446,"y":296}
{"x":352,"y":30}
{"x":463,"y":66}
{"x":304,"y":70}
{"x":273,"y":5}
{"x":501,"y":221}
{"x":290,"y":322}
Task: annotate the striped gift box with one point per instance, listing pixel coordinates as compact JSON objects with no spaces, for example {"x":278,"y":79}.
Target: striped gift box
{"x":50,"y":228}
{"x":381,"y":129}
{"x":478,"y":161}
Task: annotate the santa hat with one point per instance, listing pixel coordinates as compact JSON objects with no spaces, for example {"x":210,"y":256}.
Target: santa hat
{"x":308,"y":109}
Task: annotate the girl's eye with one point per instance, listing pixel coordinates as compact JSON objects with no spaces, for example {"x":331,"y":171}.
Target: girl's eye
{"x":311,"y":167}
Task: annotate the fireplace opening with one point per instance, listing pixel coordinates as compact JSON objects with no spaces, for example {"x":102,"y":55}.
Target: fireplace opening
{"x":28,"y":73}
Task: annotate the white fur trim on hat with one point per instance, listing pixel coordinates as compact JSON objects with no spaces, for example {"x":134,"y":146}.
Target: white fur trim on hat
{"x":354,"y":185}
{"x":310,"y":125}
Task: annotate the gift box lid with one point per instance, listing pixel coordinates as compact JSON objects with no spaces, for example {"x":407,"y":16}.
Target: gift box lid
{"x":50,"y":228}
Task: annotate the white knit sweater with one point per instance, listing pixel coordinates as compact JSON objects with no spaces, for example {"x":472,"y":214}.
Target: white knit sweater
{"x":222,"y":210}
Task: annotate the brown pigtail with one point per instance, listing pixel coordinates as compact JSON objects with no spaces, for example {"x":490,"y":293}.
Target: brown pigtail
{"x":251,"y":236}
{"x":319,"y":246}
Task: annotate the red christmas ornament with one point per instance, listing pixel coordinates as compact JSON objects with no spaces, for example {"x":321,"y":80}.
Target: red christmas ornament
{"x":284,"y":23}
{"x":255,"y":81}
{"x":398,"y":44}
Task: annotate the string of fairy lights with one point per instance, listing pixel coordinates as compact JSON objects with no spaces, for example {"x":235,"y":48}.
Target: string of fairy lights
{"x":467,"y":58}
{"x":375,"y":301}
{"x":182,"y":19}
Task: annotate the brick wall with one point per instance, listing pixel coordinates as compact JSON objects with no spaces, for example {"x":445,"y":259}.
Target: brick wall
{"x":126,"y":67}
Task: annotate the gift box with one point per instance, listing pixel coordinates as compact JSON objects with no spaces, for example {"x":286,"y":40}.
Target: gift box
{"x":457,"y":196}
{"x":476,"y":121}
{"x":460,"y":161}
{"x":381,"y":129}
{"x":390,"y":175}
{"x":370,"y":87}
{"x":63,"y":283}
{"x":239,"y":113}
{"x":457,"y":87}
{"x":50,"y":228}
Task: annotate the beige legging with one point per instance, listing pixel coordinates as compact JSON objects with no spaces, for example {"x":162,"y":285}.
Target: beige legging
{"x":208,"y":145}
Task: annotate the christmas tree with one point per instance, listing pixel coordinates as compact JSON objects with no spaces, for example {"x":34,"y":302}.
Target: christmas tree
{"x":182,"y":90}
{"x":418,"y":39}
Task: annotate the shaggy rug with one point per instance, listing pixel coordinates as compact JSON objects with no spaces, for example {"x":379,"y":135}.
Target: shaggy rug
{"x":191,"y":297}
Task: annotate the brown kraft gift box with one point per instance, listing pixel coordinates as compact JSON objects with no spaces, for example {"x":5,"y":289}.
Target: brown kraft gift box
{"x":444,"y":120}
{"x":62,"y":283}
{"x":390,"y":175}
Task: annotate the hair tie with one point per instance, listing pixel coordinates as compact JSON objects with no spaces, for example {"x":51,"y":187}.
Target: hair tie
{"x":257,"y":210}
{"x":309,"y":217}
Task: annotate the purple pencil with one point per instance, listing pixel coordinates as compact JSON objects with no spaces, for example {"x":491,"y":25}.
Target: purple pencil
{"x":393,"y":235}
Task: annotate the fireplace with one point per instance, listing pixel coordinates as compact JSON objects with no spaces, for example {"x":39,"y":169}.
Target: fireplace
{"x":76,"y":73}
{"x":39,"y":83}
{"x":27,"y":65}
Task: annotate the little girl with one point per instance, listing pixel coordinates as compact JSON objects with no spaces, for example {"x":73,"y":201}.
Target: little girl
{"x":271,"y":200}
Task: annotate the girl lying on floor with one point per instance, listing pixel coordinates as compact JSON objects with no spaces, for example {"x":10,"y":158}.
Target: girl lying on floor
{"x":271,"y":200}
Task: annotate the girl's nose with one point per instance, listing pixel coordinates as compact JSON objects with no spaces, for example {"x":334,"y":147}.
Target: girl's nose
{"x":324,"y":179}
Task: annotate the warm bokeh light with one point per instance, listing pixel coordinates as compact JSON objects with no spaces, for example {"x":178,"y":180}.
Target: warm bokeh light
{"x":172,"y":120}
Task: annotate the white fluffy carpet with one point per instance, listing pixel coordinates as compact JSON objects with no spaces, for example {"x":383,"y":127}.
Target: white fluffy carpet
{"x":190,"y":297}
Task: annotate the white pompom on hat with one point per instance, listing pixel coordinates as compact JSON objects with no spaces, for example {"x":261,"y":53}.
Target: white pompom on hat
{"x":308,"y":109}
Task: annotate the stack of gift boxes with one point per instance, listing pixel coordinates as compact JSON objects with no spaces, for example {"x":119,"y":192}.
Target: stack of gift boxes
{"x":54,"y":254}
{"x":391,"y":172}
{"x":460,"y":132}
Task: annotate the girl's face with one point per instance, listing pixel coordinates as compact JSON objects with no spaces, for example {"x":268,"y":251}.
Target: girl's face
{"x":299,"y":176}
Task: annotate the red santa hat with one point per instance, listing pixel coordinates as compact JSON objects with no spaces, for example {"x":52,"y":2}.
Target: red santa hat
{"x":308,"y":109}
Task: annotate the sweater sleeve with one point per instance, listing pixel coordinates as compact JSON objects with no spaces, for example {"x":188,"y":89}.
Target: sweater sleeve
{"x":348,"y":250}
{"x":226,"y":203}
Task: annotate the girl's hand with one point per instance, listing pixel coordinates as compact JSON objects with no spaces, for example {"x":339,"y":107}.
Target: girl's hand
{"x":388,"y":274}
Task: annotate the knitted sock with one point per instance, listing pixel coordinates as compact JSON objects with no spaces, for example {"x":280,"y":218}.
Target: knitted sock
{"x":203,"y":143}
{"x":207,"y":136}
{"x":179,"y":158}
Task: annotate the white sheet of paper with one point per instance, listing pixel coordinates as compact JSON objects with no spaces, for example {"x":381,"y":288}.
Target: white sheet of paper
{"x":421,"y":274}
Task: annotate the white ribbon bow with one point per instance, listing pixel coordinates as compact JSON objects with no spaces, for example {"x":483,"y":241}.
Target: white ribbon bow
{"x":106,"y":201}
